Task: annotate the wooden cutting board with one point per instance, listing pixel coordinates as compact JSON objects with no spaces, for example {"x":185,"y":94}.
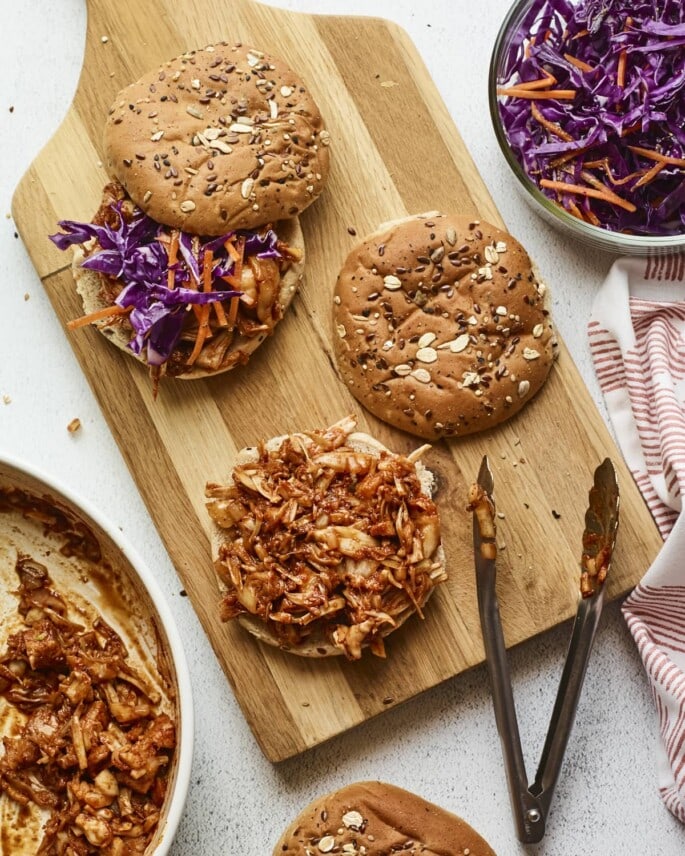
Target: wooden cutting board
{"x":395,"y":151}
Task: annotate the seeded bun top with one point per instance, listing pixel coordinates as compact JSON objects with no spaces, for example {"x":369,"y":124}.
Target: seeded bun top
{"x":382,"y":819}
{"x":440,"y":325}
{"x":221,"y":138}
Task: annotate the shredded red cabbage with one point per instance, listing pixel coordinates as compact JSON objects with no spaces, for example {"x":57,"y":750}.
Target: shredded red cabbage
{"x":632,"y":97}
{"x":135,"y":252}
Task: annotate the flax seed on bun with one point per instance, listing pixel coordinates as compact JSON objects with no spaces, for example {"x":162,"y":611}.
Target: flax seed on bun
{"x":226,"y":137}
{"x":383,"y":819}
{"x":441,"y":325}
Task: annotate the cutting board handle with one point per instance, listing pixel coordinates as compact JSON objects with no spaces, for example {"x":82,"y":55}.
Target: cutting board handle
{"x":131,"y":24}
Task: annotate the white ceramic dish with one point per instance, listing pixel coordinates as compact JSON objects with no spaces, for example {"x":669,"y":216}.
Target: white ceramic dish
{"x":123,"y":590}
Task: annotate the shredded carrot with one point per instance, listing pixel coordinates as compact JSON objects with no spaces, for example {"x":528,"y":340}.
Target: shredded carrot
{"x":232,"y":251}
{"x":552,"y":127}
{"x":621,"y":69}
{"x":569,"y":156}
{"x":603,"y":164}
{"x":650,"y":175}
{"x":591,"y":217}
{"x":207,"y":261}
{"x":190,"y":283}
{"x":202,"y":332}
{"x":619,"y":182}
{"x":583,"y":66}
{"x":657,"y":156}
{"x":595,"y":182}
{"x":220,"y":314}
{"x":233,"y":312}
{"x":575,"y":210}
{"x":231,"y":280}
{"x":98,"y":315}
{"x":541,"y":83}
{"x":517,"y":92}
{"x":623,"y":59}
{"x":581,"y":190}
{"x":173,"y":255}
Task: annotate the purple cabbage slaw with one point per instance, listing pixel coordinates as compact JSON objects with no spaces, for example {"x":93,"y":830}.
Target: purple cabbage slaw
{"x":603,"y":118}
{"x":132,"y":253}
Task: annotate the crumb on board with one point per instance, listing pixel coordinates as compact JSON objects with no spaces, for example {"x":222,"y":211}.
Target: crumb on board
{"x":74,"y":425}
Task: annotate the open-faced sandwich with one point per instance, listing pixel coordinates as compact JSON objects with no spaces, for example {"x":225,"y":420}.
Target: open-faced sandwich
{"x":325,"y":541}
{"x":196,"y":250}
{"x":441,"y":325}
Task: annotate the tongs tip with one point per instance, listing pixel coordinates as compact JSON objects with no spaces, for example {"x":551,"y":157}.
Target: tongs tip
{"x":485,"y":478}
{"x":601,"y":527}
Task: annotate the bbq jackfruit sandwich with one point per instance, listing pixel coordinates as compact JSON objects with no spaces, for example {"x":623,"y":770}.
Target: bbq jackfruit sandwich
{"x":196,"y":249}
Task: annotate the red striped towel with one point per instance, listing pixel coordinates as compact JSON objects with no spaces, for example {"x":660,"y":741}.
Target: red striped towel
{"x":637,"y":340}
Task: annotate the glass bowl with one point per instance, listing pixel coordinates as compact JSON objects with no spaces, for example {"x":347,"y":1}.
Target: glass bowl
{"x":595,"y":236}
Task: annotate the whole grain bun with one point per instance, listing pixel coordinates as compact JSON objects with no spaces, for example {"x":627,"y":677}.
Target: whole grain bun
{"x":317,"y":643}
{"x":222,"y":138}
{"x":89,"y":287}
{"x":441,"y":325}
{"x":384,"y":819}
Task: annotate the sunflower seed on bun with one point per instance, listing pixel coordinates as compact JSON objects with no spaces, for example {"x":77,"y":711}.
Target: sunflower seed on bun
{"x":325,"y":541}
{"x":376,"y":819}
{"x":227,"y":137}
{"x":441,"y":325}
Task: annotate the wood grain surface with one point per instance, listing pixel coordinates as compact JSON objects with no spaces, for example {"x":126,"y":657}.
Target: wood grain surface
{"x":395,"y":150}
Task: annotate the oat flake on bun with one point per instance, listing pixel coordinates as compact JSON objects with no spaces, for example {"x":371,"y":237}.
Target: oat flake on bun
{"x":227,"y":137}
{"x":441,"y":326}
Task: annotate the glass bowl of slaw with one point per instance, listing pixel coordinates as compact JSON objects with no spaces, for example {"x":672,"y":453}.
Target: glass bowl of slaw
{"x":587,"y":100}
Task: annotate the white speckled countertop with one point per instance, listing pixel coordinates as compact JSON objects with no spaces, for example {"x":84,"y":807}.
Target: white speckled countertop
{"x":444,"y":744}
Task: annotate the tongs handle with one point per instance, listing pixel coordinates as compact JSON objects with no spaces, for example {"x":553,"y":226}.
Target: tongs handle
{"x":527,"y":810}
{"x":568,"y":695}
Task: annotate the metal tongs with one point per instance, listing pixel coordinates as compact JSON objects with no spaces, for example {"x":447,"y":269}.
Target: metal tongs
{"x":530,"y":803}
